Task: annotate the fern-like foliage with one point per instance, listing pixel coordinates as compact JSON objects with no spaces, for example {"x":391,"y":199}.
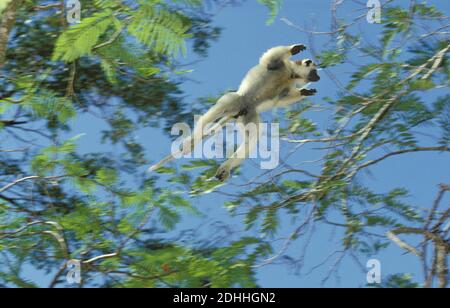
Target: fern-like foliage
{"x":46,"y":104}
{"x":120,"y":53}
{"x":274,"y":7}
{"x":160,"y":29}
{"x":107,"y":4}
{"x":153,"y":23}
{"x":3,"y":4}
{"x":79,"y":40}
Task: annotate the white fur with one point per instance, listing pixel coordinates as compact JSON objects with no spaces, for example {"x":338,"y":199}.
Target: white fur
{"x":262,"y":89}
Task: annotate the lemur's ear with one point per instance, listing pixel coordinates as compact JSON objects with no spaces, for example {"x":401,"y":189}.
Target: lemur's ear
{"x":308,"y":62}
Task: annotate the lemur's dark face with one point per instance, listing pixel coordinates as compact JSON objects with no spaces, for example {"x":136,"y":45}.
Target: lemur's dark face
{"x":307,"y":70}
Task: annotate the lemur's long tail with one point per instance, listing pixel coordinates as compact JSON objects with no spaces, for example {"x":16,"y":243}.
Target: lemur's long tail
{"x":161,"y":163}
{"x":171,"y":157}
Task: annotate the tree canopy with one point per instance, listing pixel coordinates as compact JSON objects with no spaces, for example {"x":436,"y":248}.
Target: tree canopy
{"x":120,"y":66}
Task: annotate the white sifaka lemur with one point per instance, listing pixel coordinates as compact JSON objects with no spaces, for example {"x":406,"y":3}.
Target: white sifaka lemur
{"x":276,"y":81}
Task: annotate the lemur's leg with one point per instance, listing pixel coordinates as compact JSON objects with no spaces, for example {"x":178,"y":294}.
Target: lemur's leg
{"x":294,"y":96}
{"x":227,"y":106}
{"x":249,"y":127}
{"x":275,"y":58}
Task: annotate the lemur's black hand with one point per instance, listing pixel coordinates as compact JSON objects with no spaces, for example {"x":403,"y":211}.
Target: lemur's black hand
{"x":297,"y":49}
{"x":308,"y":92}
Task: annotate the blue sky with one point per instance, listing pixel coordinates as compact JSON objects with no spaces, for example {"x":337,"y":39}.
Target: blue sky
{"x":244,"y":38}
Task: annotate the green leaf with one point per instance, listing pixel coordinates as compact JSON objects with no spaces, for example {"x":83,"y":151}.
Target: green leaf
{"x":168,"y":217}
{"x":421,"y":85}
{"x":80,"y":39}
{"x":331,"y":58}
{"x":48,"y":105}
{"x":274,"y":7}
{"x":161,"y":30}
{"x":106,"y":177}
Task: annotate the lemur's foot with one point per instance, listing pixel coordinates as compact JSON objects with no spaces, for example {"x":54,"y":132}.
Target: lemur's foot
{"x":223,"y":173}
{"x":296,"y":49}
{"x":308,"y":92}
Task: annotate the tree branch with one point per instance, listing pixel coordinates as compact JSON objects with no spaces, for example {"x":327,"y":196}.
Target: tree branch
{"x":7,"y":22}
{"x":419,"y":149}
{"x":28,"y":178}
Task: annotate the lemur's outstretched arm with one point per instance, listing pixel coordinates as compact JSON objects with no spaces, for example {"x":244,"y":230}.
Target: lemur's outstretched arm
{"x":274,"y":58}
{"x":294,"y":96}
